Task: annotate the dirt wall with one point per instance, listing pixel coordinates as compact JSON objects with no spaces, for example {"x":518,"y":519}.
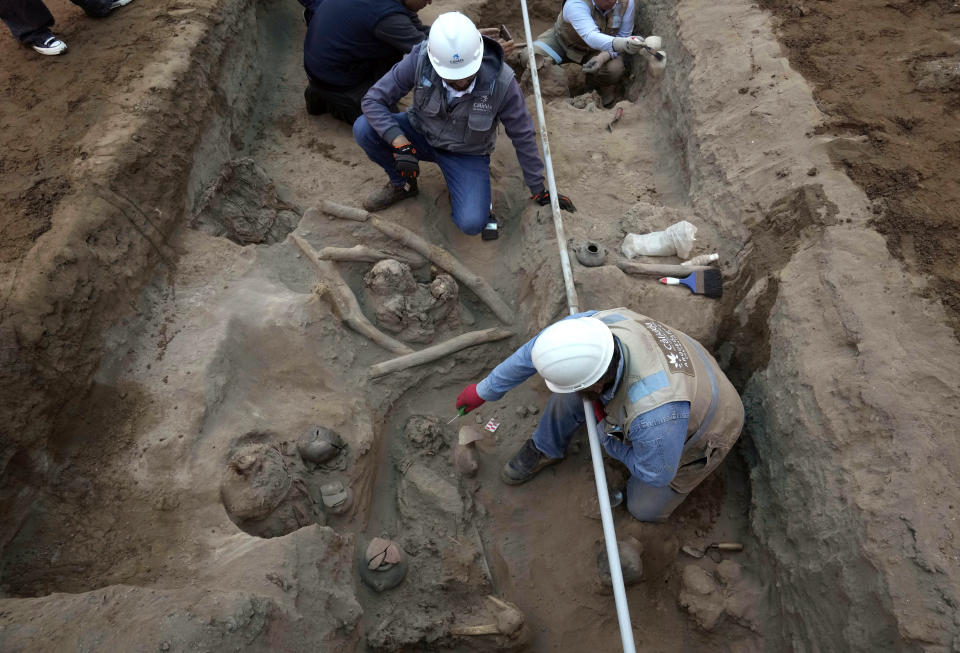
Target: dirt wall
{"x":132,"y":177}
{"x":848,"y":372}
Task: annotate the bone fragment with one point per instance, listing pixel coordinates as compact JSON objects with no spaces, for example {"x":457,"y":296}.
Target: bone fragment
{"x":344,"y":303}
{"x":438,"y":255}
{"x":363,"y":253}
{"x":509,"y":621}
{"x":439,"y":351}
{"x":632,"y":267}
{"x":487,"y":629}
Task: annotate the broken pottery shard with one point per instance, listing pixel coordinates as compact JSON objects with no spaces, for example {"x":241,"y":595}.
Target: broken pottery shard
{"x":335,"y":497}
{"x":465,"y":460}
{"x":318,"y":445}
{"x":469,"y":433}
{"x":382,"y":552}
{"x":383,"y":564}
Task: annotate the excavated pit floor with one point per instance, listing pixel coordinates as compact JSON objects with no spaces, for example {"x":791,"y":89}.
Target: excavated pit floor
{"x":234,"y":340}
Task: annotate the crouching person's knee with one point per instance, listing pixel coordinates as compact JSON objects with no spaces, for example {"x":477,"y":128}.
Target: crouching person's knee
{"x":651,"y":504}
{"x":471,"y":221}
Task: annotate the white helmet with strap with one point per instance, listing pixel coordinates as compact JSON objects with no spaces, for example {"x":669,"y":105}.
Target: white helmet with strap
{"x":573,"y":354}
{"x":455,"y":46}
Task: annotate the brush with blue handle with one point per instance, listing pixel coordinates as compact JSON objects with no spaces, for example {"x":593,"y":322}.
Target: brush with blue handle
{"x":708,"y":283}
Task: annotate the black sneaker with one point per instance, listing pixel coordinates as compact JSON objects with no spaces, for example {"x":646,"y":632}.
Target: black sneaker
{"x":525,"y":464}
{"x":491,"y":231}
{"x":48,"y":44}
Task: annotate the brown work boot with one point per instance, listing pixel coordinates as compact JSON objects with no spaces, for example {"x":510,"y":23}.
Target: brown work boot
{"x":525,"y":464}
{"x":389,"y":195}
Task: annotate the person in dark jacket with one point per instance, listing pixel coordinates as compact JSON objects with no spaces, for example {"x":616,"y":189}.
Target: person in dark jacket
{"x":350,"y":44}
{"x":462,"y":91}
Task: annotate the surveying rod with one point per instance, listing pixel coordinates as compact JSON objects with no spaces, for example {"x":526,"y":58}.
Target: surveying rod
{"x":603,"y":496}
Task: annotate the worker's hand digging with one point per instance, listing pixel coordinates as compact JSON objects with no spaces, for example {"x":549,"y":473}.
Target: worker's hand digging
{"x":406,"y":161}
{"x":543,"y":198}
{"x":468,"y":399}
{"x":594,"y":64}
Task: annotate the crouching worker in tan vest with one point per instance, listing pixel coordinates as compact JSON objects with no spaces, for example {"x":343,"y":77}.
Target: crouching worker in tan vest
{"x":676,"y":413}
{"x":594,"y":34}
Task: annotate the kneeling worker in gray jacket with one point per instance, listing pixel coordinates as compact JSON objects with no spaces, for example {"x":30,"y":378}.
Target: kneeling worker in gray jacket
{"x":462,"y":90}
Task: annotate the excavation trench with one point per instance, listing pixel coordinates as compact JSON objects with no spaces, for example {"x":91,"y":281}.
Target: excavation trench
{"x":179,"y":492}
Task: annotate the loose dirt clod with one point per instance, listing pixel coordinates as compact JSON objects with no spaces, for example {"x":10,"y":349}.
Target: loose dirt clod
{"x":631,"y":563}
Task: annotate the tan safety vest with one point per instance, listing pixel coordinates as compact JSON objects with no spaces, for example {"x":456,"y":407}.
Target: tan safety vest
{"x":662,"y":365}
{"x":571,"y":40}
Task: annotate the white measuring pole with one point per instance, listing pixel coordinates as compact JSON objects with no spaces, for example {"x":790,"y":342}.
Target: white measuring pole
{"x":606,"y":515}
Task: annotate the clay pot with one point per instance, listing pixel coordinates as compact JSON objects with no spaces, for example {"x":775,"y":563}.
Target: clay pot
{"x":319,"y":444}
{"x":383,"y":564}
{"x":590,"y":254}
{"x":465,"y":460}
{"x":336,"y":498}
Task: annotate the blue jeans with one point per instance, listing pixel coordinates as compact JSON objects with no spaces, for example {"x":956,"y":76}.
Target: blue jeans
{"x":467,"y":175}
{"x":562,"y":417}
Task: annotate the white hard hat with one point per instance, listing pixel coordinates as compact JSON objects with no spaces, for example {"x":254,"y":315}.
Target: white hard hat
{"x":455,"y":46}
{"x":573,"y":354}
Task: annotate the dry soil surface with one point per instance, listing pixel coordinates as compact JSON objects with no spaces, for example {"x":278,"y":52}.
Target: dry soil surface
{"x":149,"y":352}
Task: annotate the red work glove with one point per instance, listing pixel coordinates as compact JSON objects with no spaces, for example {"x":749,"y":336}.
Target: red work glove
{"x":598,"y":411}
{"x":543,"y":198}
{"x":469,"y":399}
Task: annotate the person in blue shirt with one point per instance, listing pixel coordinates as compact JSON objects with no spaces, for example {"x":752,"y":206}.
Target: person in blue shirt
{"x":594,"y":34}
{"x":676,"y":413}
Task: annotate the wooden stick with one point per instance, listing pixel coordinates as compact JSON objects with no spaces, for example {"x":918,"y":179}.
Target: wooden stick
{"x":438,"y":255}
{"x":344,"y":303}
{"x":367,"y":254}
{"x":439,"y":351}
{"x":660,"y":269}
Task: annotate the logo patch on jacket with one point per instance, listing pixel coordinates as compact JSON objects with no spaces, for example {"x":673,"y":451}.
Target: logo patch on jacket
{"x":483,"y":104}
{"x":678,"y":360}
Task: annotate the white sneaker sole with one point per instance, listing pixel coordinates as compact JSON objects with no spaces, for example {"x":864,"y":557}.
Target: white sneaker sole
{"x":52,"y":50}
{"x":119,"y":3}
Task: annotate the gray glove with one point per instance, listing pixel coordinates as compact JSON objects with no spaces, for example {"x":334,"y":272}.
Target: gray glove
{"x":595,"y":63}
{"x":628,"y":44}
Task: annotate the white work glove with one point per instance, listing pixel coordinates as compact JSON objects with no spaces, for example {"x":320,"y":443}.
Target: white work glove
{"x":595,"y":63}
{"x":628,"y":44}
